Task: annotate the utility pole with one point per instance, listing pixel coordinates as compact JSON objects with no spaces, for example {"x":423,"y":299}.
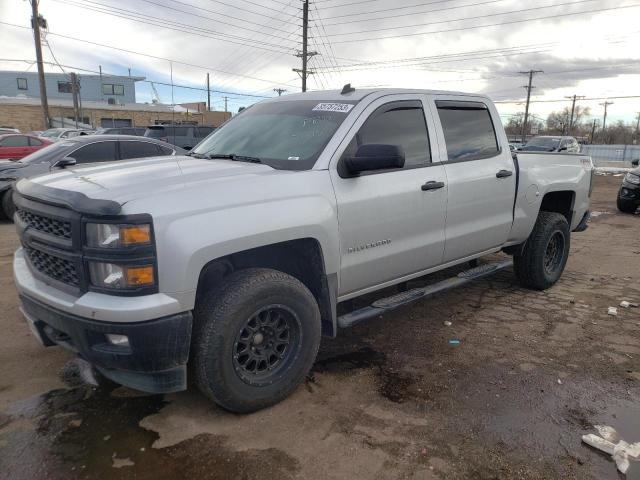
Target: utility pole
{"x":305,"y":54}
{"x":38,"y":21}
{"x":225,"y":104}
{"x":208,"y":94}
{"x":280,"y":91}
{"x":74,"y":93}
{"x":604,"y":119}
{"x":531,"y":73}
{"x":573,"y":109}
{"x":638,"y":125}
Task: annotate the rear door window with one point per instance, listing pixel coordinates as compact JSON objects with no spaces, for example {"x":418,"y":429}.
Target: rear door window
{"x":34,"y":142}
{"x":133,"y":149}
{"x":468,"y":130}
{"x":15,"y":141}
{"x":95,"y":152}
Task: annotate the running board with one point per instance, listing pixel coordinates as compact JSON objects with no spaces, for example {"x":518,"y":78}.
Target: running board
{"x":385,"y":305}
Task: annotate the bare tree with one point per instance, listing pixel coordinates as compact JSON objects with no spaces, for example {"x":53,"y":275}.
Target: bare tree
{"x":558,"y":123}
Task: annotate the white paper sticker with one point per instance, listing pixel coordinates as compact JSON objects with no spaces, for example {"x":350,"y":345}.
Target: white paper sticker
{"x":333,"y":107}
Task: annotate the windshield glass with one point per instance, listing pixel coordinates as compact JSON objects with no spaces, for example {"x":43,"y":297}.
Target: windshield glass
{"x":547,"y":142}
{"x":54,"y":132}
{"x":287,"y":134}
{"x":47,"y":153}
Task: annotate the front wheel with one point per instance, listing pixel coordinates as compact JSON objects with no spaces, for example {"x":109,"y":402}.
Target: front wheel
{"x":626,"y":206}
{"x":545,"y":254}
{"x":255,"y":339}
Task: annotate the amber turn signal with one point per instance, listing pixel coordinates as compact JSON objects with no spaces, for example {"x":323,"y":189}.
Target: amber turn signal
{"x":135,"y":235}
{"x":139,"y":276}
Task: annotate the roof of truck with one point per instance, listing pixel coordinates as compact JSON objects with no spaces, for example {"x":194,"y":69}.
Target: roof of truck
{"x":360,"y":93}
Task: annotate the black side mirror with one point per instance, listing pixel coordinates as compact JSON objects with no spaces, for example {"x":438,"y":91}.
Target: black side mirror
{"x":635,"y":162}
{"x":375,"y":157}
{"x":64,"y":162}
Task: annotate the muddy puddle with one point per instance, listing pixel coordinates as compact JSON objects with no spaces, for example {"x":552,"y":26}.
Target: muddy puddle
{"x":87,"y":433}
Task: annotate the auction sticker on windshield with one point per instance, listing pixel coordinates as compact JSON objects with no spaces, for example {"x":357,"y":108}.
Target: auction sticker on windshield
{"x":333,"y":107}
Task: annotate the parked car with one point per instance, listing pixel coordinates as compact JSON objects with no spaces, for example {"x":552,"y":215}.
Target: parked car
{"x":4,"y":130}
{"x":230,"y":263}
{"x":551,"y":144}
{"x":185,"y":136}
{"x":14,"y":146}
{"x":137,"y":131}
{"x":57,"y":134}
{"x":78,"y":151}
{"x":629,"y":193}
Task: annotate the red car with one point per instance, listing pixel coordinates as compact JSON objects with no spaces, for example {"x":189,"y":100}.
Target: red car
{"x":14,"y":146}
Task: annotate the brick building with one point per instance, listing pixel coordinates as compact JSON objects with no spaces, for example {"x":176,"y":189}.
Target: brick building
{"x":26,"y":114}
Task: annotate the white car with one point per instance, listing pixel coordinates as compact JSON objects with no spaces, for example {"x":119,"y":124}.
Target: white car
{"x":55,"y":134}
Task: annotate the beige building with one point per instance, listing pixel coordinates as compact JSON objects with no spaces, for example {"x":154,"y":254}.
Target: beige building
{"x":25,"y":114}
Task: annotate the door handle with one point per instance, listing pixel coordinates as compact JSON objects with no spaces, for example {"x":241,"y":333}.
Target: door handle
{"x":504,"y":173}
{"x":432,"y":186}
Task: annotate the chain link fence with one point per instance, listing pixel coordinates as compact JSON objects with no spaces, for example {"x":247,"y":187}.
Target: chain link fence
{"x":612,"y":155}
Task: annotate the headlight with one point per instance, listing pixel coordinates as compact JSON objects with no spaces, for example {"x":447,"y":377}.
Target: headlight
{"x":631,"y":178}
{"x":113,"y":235}
{"x":111,"y":275}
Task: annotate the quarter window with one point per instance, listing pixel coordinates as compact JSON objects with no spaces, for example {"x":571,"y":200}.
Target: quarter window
{"x":398,"y":123}
{"x":34,"y":142}
{"x":22,"y":84}
{"x":95,"y":152}
{"x":468,"y":130}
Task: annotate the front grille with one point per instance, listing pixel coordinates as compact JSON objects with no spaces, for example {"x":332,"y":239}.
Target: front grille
{"x":55,"y":267}
{"x":48,"y":225}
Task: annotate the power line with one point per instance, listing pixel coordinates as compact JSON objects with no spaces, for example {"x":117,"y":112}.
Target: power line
{"x":156,"y":57}
{"x":511,"y":22}
{"x":172,"y":25}
{"x":576,"y":2}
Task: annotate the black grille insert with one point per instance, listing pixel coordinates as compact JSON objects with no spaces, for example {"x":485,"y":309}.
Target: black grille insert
{"x":57,"y":268}
{"x":47,"y":225}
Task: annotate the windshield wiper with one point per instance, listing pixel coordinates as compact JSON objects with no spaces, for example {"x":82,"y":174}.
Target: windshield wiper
{"x":234,"y":157}
{"x":197,"y":155}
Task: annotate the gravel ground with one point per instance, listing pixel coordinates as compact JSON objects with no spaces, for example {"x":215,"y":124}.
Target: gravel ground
{"x":391,"y":398}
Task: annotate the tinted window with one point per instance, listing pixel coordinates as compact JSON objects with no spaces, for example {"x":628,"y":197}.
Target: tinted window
{"x":15,"y":141}
{"x":95,"y":152}
{"x":165,"y":150}
{"x":202,"y":132}
{"x":137,"y":150}
{"x":468,"y":130}
{"x":34,"y":142}
{"x":401,"y":124}
{"x":181,"y":131}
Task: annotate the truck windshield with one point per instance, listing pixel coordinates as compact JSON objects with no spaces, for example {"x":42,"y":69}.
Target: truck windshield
{"x":548,"y":142}
{"x":285,"y":135}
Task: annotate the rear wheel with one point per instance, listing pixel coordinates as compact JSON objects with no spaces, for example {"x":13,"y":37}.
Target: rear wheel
{"x":545,"y":254}
{"x":626,"y":206}
{"x":255,"y":339}
{"x":8,"y":207}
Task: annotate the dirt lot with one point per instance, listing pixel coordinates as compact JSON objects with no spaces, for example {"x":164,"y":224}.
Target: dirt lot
{"x":388,"y":399}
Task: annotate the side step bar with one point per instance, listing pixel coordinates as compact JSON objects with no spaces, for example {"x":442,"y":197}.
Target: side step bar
{"x":385,"y":305}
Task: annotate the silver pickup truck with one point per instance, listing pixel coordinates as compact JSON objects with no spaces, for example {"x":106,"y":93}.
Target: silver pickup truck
{"x":226,"y":266}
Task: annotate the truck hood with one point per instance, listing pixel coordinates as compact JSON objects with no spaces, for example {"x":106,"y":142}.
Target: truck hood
{"x":122,"y":182}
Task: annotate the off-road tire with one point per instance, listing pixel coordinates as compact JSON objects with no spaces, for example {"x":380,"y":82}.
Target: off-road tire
{"x":532,"y":267}
{"x":626,"y":206}
{"x":8,"y":207}
{"x":220,"y":319}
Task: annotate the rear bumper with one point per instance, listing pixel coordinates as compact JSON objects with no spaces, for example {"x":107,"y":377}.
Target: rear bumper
{"x":154,"y":361}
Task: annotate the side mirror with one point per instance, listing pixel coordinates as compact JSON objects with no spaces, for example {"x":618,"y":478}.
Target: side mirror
{"x":635,"y":162}
{"x":374,"y":157}
{"x":64,"y":162}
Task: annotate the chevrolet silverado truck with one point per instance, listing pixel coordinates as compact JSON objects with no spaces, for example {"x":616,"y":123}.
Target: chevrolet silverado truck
{"x":225,"y":267}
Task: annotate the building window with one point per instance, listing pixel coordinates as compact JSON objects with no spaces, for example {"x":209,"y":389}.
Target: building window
{"x":64,"y":87}
{"x":22,"y":84}
{"x":111,"y":89}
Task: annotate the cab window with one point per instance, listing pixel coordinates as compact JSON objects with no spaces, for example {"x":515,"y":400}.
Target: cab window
{"x":399,"y":123}
{"x":468,"y":130}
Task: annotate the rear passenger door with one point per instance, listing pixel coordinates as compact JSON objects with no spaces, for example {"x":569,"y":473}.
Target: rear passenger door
{"x":391,"y":223}
{"x":481,"y":177}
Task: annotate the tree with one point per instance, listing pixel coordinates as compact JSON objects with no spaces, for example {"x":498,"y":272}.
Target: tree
{"x":558,"y":123}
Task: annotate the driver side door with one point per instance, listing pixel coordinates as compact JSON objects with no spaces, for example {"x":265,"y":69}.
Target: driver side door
{"x":391,"y":222}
